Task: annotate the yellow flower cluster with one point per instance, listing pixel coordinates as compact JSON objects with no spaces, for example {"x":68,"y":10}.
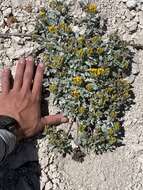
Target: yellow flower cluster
{"x":80,"y":53}
{"x":62,"y":26}
{"x":91,"y":8}
{"x":116,"y":128}
{"x":75,"y":93}
{"x":81,"y":128}
{"x":113,"y":114}
{"x":52,"y":29}
{"x":112,"y":140}
{"x":77,"y":80}
{"x":53,"y":88}
{"x":109,"y":90}
{"x":95,"y":39}
{"x":81,"y":40}
{"x":100,"y":51}
{"x":82,"y":109}
{"x":57,"y":61}
{"x":65,"y":27}
{"x":89,"y":87}
{"x":42,"y":12}
{"x":96,"y":71}
{"x":90,"y":51}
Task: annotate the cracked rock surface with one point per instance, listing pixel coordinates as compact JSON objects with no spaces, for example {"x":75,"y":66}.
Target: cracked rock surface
{"x":121,"y":169}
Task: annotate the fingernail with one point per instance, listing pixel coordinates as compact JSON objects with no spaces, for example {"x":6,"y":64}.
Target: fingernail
{"x":6,"y":69}
{"x":22,"y":61}
{"x":64,"y":120}
{"x":30,"y":58}
{"x":41,"y":65}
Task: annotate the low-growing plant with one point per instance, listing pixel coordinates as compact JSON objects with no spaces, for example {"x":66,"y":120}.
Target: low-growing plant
{"x":86,"y":71}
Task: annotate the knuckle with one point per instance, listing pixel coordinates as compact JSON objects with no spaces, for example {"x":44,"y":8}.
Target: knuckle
{"x":25,"y":94}
{"x":35,"y":98}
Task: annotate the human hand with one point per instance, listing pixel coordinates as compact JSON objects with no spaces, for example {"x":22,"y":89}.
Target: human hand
{"x":23,"y":102}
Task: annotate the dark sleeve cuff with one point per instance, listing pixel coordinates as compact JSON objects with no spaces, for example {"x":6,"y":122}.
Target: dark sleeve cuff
{"x":7,"y":143}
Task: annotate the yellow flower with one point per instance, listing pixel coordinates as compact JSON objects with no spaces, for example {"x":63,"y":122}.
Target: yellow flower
{"x":81,"y":40}
{"x":99,"y":95}
{"x":77,"y":80}
{"x":126,"y":94}
{"x":82,"y":109}
{"x":96,"y":71}
{"x":107,"y":70}
{"x":90,"y":51}
{"x":42,"y":12}
{"x":112,"y":140}
{"x":109,"y":90}
{"x":89,"y":87}
{"x":75,"y":93}
{"x":100,"y":50}
{"x":53,"y":88}
{"x":98,"y":114}
{"x":93,"y":71}
{"x":114,"y":97}
{"x":113,"y":114}
{"x":95,"y":39}
{"x":110,"y":131}
{"x":100,"y":71}
{"x":65,"y":27}
{"x":62,"y":25}
{"x":57,"y":61}
{"x":117,"y":126}
{"x":52,"y":29}
{"x":46,"y":59}
{"x":82,"y":128}
{"x":91,"y":8}
{"x":80,"y":53}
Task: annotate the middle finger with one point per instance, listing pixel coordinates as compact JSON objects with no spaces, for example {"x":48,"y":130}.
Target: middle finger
{"x":28,"y":74}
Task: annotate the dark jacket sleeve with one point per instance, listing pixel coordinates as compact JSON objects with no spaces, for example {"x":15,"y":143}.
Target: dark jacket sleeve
{"x":7,"y":143}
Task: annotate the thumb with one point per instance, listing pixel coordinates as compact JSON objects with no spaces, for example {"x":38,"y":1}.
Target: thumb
{"x":53,"y":120}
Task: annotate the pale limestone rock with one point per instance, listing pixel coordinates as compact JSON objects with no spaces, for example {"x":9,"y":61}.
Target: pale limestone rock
{"x":132,"y":26}
{"x":48,"y":186}
{"x":131,"y":4}
{"x":7,"y":12}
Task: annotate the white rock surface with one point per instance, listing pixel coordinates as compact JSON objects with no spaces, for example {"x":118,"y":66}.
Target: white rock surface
{"x":121,"y":169}
{"x":7,"y":12}
{"x":48,"y":186}
{"x":131,"y":4}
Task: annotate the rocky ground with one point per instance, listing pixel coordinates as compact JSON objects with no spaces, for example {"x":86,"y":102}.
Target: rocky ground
{"x":121,"y":169}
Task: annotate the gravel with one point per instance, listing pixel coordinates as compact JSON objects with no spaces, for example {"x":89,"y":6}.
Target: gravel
{"x":121,"y":169}
{"x":131,"y":4}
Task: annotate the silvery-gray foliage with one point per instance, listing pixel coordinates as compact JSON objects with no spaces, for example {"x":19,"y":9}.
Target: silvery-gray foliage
{"x":86,"y":72}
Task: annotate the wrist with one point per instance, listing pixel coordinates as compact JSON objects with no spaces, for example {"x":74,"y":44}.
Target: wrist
{"x":11,"y":125}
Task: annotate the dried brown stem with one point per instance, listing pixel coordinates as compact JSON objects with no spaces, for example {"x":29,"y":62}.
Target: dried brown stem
{"x":70,"y":126}
{"x":9,"y":35}
{"x":136,"y":46}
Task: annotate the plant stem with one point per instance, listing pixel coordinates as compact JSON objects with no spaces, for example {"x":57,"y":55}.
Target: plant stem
{"x":136,"y":46}
{"x":9,"y":35}
{"x":70,"y":126}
